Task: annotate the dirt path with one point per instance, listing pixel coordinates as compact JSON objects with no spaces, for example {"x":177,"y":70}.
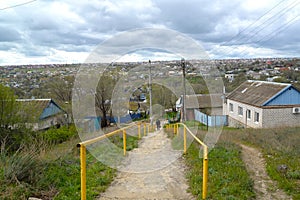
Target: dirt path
{"x":264,"y":187}
{"x":152,"y":171}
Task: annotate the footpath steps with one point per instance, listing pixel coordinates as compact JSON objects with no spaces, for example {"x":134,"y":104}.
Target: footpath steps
{"x":154,"y":171}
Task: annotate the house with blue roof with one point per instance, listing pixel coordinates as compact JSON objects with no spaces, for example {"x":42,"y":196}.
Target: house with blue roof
{"x":261,"y":104}
{"x":41,"y":113}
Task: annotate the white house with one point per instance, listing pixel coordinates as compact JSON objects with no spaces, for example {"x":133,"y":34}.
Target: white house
{"x":261,"y":104}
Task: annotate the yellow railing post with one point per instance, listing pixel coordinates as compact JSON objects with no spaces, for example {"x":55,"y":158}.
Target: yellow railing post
{"x":205,"y":173}
{"x":139,"y":130}
{"x":184,"y":140}
{"x":124,"y":141}
{"x":83,"y":171}
{"x":148,"y":128}
{"x":174,"y":125}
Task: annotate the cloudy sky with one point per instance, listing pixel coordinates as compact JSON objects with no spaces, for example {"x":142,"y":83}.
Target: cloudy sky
{"x":67,"y":31}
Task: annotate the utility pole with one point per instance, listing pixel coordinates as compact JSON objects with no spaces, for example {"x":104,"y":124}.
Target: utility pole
{"x":183,"y":65}
{"x":150,"y":92}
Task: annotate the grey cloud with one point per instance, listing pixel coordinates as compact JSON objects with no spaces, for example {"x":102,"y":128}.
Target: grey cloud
{"x":8,"y":34}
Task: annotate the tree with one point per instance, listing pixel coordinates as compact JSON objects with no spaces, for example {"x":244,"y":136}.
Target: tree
{"x":8,"y":107}
{"x":103,"y":96}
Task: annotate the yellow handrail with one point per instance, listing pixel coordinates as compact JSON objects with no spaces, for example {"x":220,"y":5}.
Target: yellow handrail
{"x":205,"y":153}
{"x":83,"y":145}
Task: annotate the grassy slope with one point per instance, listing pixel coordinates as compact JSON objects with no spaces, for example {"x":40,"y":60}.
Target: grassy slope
{"x":228,"y":178}
{"x":58,"y":174}
{"x":280,"y":147}
{"x":227,"y":174}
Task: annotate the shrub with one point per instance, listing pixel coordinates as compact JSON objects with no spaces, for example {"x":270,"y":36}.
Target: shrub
{"x":56,"y":136}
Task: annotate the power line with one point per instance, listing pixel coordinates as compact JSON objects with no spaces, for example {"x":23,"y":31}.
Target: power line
{"x":259,"y":18}
{"x":269,"y":37}
{"x":274,"y":18}
{"x":17,"y":5}
{"x":270,"y":21}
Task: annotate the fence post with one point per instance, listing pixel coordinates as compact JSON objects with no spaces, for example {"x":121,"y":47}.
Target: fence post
{"x":83,"y":171}
{"x":124,"y":141}
{"x":184,"y":139}
{"x":144,"y":129}
{"x":205,"y":173}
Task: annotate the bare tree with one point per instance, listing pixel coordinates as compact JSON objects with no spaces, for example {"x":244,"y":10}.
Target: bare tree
{"x":103,"y":97}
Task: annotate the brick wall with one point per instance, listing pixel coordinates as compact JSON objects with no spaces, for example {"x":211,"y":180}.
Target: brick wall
{"x":280,"y":117}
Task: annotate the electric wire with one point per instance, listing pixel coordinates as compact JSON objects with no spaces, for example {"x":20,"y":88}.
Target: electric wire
{"x":17,"y":5}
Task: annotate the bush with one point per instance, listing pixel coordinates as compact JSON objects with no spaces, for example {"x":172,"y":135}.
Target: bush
{"x":56,"y":136}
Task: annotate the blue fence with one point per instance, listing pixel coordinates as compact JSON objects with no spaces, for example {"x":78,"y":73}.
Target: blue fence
{"x":96,"y":121}
{"x":215,"y":120}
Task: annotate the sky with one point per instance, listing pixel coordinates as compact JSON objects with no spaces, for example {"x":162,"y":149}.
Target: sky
{"x":67,"y":31}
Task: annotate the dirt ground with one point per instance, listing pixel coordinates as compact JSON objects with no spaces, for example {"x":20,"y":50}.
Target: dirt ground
{"x":154,"y":171}
{"x":265,"y":188}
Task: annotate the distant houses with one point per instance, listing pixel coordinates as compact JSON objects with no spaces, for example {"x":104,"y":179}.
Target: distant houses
{"x":260,"y":104}
{"x":41,"y":113}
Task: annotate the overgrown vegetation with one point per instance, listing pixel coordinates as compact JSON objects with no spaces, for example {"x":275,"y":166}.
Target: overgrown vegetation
{"x":47,"y":166}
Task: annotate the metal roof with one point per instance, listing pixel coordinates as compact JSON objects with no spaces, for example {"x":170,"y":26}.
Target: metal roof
{"x":257,"y":92}
{"x":39,"y":108}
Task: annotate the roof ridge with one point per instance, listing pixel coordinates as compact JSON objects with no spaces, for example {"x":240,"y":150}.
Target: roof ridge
{"x":33,"y":99}
{"x":268,"y":82}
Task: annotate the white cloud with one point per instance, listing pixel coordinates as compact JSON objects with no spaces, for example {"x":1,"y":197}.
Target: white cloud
{"x":32,"y":32}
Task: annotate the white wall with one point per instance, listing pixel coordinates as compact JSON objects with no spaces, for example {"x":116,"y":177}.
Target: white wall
{"x":243,"y":118}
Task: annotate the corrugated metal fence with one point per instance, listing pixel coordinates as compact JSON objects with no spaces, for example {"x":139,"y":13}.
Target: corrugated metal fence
{"x":212,"y":121}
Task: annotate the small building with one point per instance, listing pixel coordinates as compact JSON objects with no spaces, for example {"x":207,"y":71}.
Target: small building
{"x":261,"y":104}
{"x":210,"y":104}
{"x":230,"y":76}
{"x":41,"y":113}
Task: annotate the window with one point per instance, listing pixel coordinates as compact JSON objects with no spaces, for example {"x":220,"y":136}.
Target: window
{"x":248,"y":114}
{"x":230,"y":107}
{"x":240,"y":110}
{"x":256,"y":117}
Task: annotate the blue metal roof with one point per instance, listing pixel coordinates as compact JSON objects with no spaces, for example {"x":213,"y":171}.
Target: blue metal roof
{"x":51,"y":109}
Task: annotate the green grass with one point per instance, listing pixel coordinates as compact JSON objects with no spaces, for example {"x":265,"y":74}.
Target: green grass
{"x":227,"y":179}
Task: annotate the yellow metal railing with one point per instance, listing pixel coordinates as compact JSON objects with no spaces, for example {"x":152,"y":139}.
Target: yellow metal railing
{"x":82,"y":146}
{"x":175,"y":129}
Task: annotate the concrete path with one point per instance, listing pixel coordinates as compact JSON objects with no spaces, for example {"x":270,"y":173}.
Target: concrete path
{"x":154,"y":171}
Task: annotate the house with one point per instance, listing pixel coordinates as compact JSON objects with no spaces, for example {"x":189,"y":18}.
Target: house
{"x":261,"y":104}
{"x":41,"y":113}
{"x":208,"y":103}
{"x":230,"y":76}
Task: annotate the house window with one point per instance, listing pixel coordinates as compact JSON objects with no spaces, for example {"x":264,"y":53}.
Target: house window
{"x":256,"y":117}
{"x":240,"y":110}
{"x":230,"y":107}
{"x":248,"y":114}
